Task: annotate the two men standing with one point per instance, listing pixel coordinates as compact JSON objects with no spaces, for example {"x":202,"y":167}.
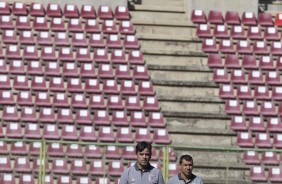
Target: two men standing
{"x":142,"y":172}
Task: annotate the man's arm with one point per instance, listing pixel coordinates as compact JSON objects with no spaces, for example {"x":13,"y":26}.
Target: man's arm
{"x":124,"y":177}
{"x":161,"y":178}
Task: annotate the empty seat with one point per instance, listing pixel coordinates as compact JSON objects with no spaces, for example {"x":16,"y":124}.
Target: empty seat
{"x":115,"y":168}
{"x":18,"y":148}
{"x":132,"y":103}
{"x":276,"y":93}
{"x":13,"y":52}
{"x":269,"y":158}
{"x":40,"y":24}
{"x":5,"y":82}
{"x":215,"y":17}
{"x":119,"y":118}
{"x":34,"y":68}
{"x":4,"y":9}
{"x":62,"y":39}
{"x":74,"y":25}
{"x":36,"y":9}
{"x":66,"y":54}
{"x":109,"y":27}
{"x":34,"y":149}
{"x":274,"y":124}
{"x":215,"y":61}
{"x":256,"y":123}
{"x":156,"y":120}
{"x":276,"y":48}
{"x":254,"y":33}
{"x":92,"y":151}
{"x":238,"y":123}
{"x":226,"y":46}
{"x":110,"y":87}
{"x":266,"y":62}
{"x":64,"y":179}
{"x":143,"y":134}
{"x":128,"y":153}
{"x":244,"y":139}
{"x":115,"y":102}
{"x":6,"y":98}
{"x":48,"y":53}
{"x":257,"y":174}
{"x":209,"y":45}
{"x":101,"y":55}
{"x":161,"y":136}
{"x":71,"y":11}
{"x":131,"y":42}
{"x":198,"y":16}
{"x":260,"y":48}
{"x":112,"y":152}
{"x":249,"y":62}
{"x":14,"y":130}
{"x":101,"y":117}
{"x":275,"y":174}
{"x":5,"y":164}
{"x":232,"y":18}
{"x":9,"y":37}
{"x":265,"y":19}
{"x":237,"y":32}
{"x":19,"y":8}
{"x":51,"y":132}
{"x":44,"y":38}
{"x":255,"y":77}
{"x":238,"y":76}
{"x":56,"y":84}
{"x":135,"y":57}
{"x":74,"y":85}
{"x":105,"y":12}
{"x":271,"y":34}
{"x":126,"y":27}
{"x":59,"y":166}
{"x":10,"y":113}
{"x":22,"y":165}
{"x":151,"y":103}
{"x":37,"y":163}
{"x":55,"y":150}
{"x":244,"y":47}
{"x":137,"y":119}
{"x":251,"y":157}
{"x":78,"y":167}
{"x":106,"y":134}
{"x":46,"y":115}
{"x":42,"y":99}
{"x":96,"y":167}
{"x":113,"y":41}
{"x":124,"y":135}
{"x":220,"y":75}
{"x":92,"y":26}
{"x":27,"y":179}
{"x":261,"y":93}
{"x":6,"y":22}
{"x":92,"y":86}
{"x":24,"y":98}
{"x":87,"y":133}
{"x":87,"y":11}
{"x":277,"y":141}
{"x":140,"y":73}
{"x":78,"y":101}
{"x":87,"y":70}
{"x":69,"y":133}
{"x":127,"y":87}
{"x":123,"y":72}
{"x":32,"y":131}
{"x":60,"y":100}
{"x":249,"y":19}
{"x":28,"y":114}
{"x":221,"y":31}
{"x":121,"y":13}
{"x":83,"y":180}
{"x":262,"y":140}
{"x":79,"y":40}
{"x":97,"y":101}
{"x":83,"y":55}
{"x":273,"y":78}
{"x":96,"y":40}
{"x":53,"y":10}
{"x":226,"y":91}
{"x":250,"y":108}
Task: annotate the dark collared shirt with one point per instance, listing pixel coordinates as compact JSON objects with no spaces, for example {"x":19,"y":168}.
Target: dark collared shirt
{"x":133,"y":175}
{"x":179,"y":180}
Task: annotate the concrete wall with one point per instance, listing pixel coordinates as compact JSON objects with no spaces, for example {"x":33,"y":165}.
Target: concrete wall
{"x":79,"y":3}
{"x":222,"y":5}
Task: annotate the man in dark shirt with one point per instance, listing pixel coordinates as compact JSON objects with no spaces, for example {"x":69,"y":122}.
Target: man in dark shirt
{"x":142,"y":172}
{"x":185,"y":175}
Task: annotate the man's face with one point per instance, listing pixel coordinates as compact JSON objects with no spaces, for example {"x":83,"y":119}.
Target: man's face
{"x":186,"y":167}
{"x":143,"y":158}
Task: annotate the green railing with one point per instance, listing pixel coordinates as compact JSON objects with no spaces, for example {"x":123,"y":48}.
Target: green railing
{"x":165,"y":164}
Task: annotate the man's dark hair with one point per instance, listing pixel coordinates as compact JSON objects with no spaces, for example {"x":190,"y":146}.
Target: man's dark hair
{"x":143,"y":145}
{"x":185,"y":157}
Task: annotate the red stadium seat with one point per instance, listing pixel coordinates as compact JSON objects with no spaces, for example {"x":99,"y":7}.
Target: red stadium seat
{"x":6,"y":22}
{"x":62,"y":39}
{"x":143,"y":134}
{"x":9,"y":37}
{"x":22,"y":165}
{"x":87,"y":133}
{"x":276,"y":48}
{"x":78,"y":167}
{"x":56,"y":83}
{"x":88,"y":11}
{"x":5,"y":165}
{"x":119,"y":118}
{"x":257,"y":174}
{"x":132,"y":103}
{"x":51,"y":132}
{"x":110,"y":87}
{"x":55,"y":150}
{"x":6,"y":98}
{"x":243,"y":47}
{"x":215,"y":17}
{"x":135,"y":57}
{"x":269,"y":158}
{"x":249,"y":62}
{"x":262,"y":140}
{"x":28,"y":114}
{"x":92,"y":86}
{"x":255,"y":77}
{"x":277,"y":141}
{"x":274,"y":124}
{"x":204,"y":31}
{"x":42,"y":99}
{"x":96,"y":40}
{"x":69,"y":133}
{"x":273,"y":78}
{"x":10,"y":113}
{"x":36,"y":9}
{"x":238,"y":77}
{"x":19,"y":8}
{"x":34,"y":68}
{"x":4,"y":9}
{"x":112,"y":152}
{"x":92,"y":151}
{"x":161,"y":136}
{"x":250,"y":108}
{"x":113,"y":41}
{"x":44,"y":38}
{"x":266,"y":62}
{"x":109,"y":27}
{"x":220,"y":75}
{"x":48,"y":53}
{"x":260,"y":48}
{"x":128,"y":153}
{"x":249,"y":19}
{"x":74,"y":85}
{"x":221,"y":31}
{"x":14,"y":130}
{"x":123,"y":72}
{"x":226,"y":91}
{"x":276,"y":93}
{"x":71,"y":11}
{"x":127,"y":87}
{"x":53,"y":10}
{"x":126,"y":27}
{"x":40,"y":24}
{"x":78,"y":100}
{"x":198,"y":16}
{"x":124,"y":135}
{"x":74,"y":25}
{"x":106,"y":134}
{"x":92,"y":26}
{"x":97,"y":101}
{"x":271,"y":34}
{"x":83,"y":117}
{"x":265,"y":19}
{"x":261,"y":93}
{"x":122,"y":13}
{"x":57,"y":24}
{"x":275,"y":174}
{"x":244,"y":139}
{"x":137,"y":119}
{"x":79,"y":40}
{"x":209,"y":46}
{"x":46,"y":115}
{"x":96,"y":167}
{"x":105,"y":12}
{"x":256,"y":123}
{"x":232,"y":18}
{"x":226,"y":46}
{"x":151,"y":103}
{"x":101,"y":118}
{"x":251,"y":157}
{"x":24,"y":98}
{"x":237,"y":32}
{"x":238,"y":123}
{"x":59,"y":166}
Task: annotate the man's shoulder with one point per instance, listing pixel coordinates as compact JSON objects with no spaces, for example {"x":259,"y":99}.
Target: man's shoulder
{"x":173,"y":178}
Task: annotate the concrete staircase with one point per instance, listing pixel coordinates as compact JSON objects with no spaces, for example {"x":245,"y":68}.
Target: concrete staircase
{"x":188,"y":97}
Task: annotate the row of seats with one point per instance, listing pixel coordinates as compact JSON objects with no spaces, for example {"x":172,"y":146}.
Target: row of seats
{"x":49,"y":179}
{"x":74,"y":150}
{"x":238,"y":32}
{"x":257,"y":124}
{"x":69,"y":71}
{"x":233,"y":18}
{"x":242,"y":47}
{"x":251,"y":107}
{"x":69,"y":11}
{"x":260,"y":174}
{"x":86,"y":133}
{"x":247,"y":62}
{"x":24,"y":24}
{"x":265,"y":158}
{"x":62,"y":39}
{"x":255,"y":76}
{"x":77,"y":101}
{"x":245,"y":92}
{"x":261,"y":139}
{"x":84,"y":117}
